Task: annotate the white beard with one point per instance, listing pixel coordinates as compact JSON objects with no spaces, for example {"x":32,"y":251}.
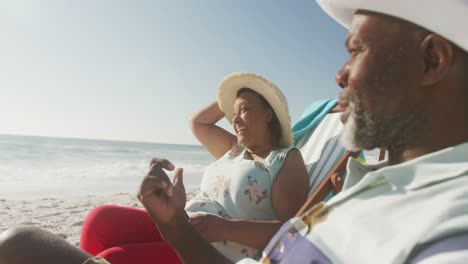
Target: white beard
{"x":348,"y":135}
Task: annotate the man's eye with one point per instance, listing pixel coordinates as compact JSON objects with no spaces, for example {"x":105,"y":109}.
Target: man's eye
{"x":354,"y":51}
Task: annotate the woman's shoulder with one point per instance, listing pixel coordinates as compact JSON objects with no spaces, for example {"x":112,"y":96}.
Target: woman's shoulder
{"x":280,"y":154}
{"x":276,"y":159}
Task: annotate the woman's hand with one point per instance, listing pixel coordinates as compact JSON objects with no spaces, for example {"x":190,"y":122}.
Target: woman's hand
{"x":211,"y":227}
{"x":164,"y":200}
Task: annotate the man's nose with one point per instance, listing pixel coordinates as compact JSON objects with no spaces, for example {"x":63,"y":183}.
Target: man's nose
{"x":342,"y":76}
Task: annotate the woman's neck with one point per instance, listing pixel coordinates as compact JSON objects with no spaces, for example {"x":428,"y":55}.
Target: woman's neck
{"x":261,"y":151}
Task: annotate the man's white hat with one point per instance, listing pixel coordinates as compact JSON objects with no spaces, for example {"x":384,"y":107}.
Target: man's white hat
{"x":227,"y":94}
{"x":447,"y":18}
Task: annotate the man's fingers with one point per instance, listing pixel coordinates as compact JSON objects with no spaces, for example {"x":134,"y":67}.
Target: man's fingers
{"x":196,"y":219}
{"x":156,"y":171}
{"x":178,"y":177}
{"x":152,"y":185}
{"x":162,"y":163}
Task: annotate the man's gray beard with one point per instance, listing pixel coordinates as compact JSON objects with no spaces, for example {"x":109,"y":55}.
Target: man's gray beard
{"x":364,"y":131}
{"x":348,"y":135}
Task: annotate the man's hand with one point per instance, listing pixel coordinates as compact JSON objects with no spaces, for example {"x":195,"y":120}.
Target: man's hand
{"x":211,"y":227}
{"x":164,"y":200}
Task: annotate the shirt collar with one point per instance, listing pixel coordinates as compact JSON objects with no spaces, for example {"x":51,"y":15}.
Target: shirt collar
{"x":417,"y":173}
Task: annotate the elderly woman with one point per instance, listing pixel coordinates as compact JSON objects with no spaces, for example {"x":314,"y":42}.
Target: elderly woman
{"x":257,"y":182}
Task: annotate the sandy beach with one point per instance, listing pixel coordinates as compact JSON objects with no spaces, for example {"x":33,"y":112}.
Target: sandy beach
{"x":62,"y":216}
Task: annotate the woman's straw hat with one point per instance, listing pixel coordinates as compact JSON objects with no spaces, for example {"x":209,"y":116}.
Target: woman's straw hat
{"x":227,"y":94}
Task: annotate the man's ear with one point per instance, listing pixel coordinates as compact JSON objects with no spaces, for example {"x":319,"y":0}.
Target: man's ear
{"x":438,"y":57}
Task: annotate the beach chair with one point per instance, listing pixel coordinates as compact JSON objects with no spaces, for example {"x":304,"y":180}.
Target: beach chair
{"x":322,"y":152}
{"x":324,"y":157}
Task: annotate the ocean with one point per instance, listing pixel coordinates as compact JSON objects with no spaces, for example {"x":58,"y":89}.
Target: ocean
{"x":46,"y":167}
{"x":42,"y":167}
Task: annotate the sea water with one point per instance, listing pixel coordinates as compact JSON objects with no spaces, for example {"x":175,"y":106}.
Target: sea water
{"x":40,"y":167}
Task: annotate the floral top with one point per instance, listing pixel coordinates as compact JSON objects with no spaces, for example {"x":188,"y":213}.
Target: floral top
{"x":237,"y":187}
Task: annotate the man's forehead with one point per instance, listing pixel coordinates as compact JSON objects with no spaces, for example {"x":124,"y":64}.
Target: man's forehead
{"x":373,"y":24}
{"x":363,"y":17}
{"x":360,"y":23}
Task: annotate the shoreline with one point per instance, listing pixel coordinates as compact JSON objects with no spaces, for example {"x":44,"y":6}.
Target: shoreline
{"x":62,"y":216}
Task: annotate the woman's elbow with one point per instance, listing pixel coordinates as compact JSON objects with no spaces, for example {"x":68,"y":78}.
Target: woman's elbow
{"x":192,"y":123}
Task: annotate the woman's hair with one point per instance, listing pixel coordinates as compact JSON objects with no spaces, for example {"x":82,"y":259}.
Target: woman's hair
{"x":275,"y":126}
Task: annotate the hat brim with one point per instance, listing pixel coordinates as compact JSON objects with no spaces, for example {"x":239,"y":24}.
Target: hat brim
{"x":227,"y":95}
{"x":419,"y":12}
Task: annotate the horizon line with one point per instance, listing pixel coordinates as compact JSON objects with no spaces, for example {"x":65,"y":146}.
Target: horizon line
{"x":98,"y":139}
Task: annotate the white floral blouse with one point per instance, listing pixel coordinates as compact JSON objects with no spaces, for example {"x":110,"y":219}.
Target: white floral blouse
{"x":237,"y":187}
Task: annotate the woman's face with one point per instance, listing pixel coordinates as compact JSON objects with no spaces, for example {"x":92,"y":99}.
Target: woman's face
{"x":250,"y":120}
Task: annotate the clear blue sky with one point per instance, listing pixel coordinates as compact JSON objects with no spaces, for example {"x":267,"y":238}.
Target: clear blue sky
{"x":136,"y":70}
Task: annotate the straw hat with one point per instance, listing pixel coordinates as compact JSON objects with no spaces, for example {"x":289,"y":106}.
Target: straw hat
{"x":446,"y":18}
{"x":227,"y":94}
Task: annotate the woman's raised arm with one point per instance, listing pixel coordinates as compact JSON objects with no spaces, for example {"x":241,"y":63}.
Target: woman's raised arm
{"x":216,"y":139}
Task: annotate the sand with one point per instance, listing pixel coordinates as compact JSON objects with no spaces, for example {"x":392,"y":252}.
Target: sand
{"x":62,"y":216}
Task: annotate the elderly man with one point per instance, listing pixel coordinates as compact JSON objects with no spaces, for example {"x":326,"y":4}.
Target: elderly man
{"x":405,"y":88}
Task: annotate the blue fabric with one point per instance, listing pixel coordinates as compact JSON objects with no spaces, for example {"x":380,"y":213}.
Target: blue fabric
{"x":457,"y":243}
{"x":288,"y":245}
{"x":312,"y":116}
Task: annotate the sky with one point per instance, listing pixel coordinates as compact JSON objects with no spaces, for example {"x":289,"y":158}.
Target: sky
{"x":136,"y":70}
